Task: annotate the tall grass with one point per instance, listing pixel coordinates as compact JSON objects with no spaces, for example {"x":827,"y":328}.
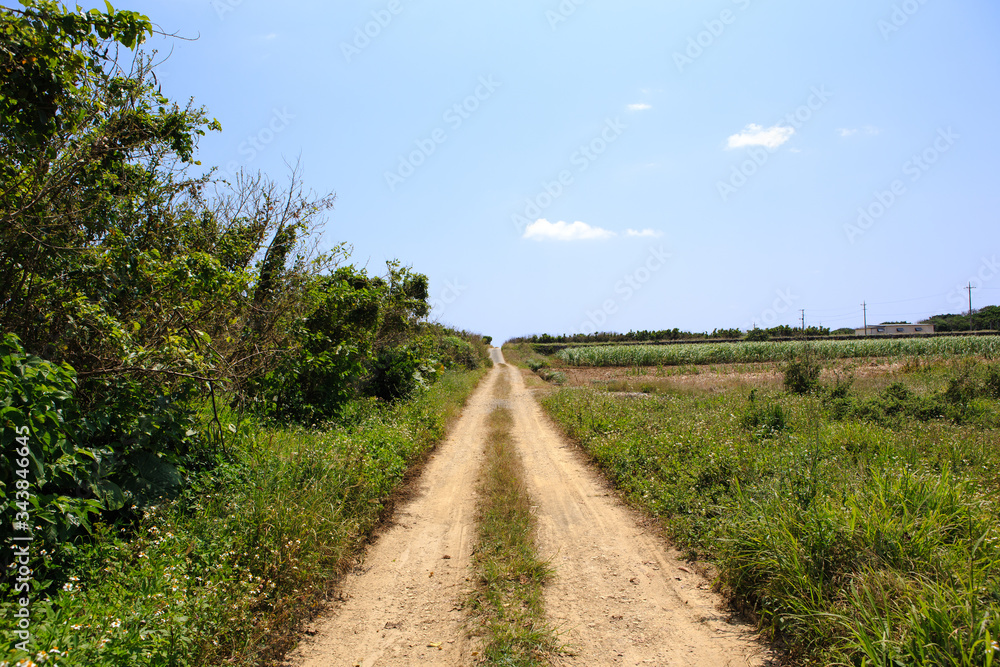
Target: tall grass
{"x":857,"y":543}
{"x":224,"y":574}
{"x":749,"y":352}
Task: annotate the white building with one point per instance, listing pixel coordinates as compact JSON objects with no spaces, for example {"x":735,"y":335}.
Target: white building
{"x":895,"y":329}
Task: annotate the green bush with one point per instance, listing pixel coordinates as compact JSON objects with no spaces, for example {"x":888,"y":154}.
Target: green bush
{"x":39,"y":418}
{"x":398,"y":372}
{"x":130,"y":449}
{"x":802,"y":375}
{"x":536,"y":363}
{"x":555,"y":377}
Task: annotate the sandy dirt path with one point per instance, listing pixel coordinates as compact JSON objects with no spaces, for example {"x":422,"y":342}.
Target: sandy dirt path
{"x":403,"y":604}
{"x":618,"y":596}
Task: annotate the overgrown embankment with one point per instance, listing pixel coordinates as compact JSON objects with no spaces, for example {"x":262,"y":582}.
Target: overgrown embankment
{"x":859,"y":527}
{"x":509,"y":604}
{"x":224,"y":573}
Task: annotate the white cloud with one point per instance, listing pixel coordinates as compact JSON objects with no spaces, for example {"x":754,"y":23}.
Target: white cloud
{"x":756,"y":135}
{"x":647,"y":233}
{"x":639,"y":107}
{"x":846,"y":132}
{"x":543,"y":230}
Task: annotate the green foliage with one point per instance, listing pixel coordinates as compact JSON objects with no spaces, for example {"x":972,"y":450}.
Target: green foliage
{"x":52,"y":58}
{"x":549,"y":375}
{"x":987,"y":317}
{"x":854,"y":541}
{"x":456,"y":352}
{"x":146,"y":304}
{"x":962,"y":401}
{"x":363,"y":335}
{"x":757,"y":335}
{"x":222,"y":573}
{"x":121,"y":452}
{"x":802,"y":374}
{"x":764,"y":419}
{"x":396,"y":373}
{"x":536,"y":363}
{"x":66,"y":484}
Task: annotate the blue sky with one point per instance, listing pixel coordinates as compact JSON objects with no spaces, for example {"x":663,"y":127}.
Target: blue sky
{"x":559,"y":167}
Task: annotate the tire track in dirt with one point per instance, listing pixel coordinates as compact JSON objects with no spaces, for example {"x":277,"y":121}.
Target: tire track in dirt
{"x":618,"y":596}
{"x":403,"y":603}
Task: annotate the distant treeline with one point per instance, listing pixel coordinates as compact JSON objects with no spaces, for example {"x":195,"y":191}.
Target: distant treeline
{"x":987,"y":318}
{"x":783,"y":331}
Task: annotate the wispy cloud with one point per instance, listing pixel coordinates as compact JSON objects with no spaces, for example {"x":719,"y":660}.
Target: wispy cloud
{"x":639,"y":107}
{"x":643,"y":233}
{"x":757,"y":135}
{"x":846,"y":132}
{"x":543,"y":230}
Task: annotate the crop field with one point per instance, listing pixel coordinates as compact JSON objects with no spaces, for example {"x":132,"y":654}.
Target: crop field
{"x":856,"y":522}
{"x":750,"y":352}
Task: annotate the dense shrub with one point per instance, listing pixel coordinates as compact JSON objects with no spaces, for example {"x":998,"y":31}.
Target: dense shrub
{"x":802,"y":375}
{"x":126,"y":451}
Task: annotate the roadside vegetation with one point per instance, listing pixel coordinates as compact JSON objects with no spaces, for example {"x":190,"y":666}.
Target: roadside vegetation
{"x":509,"y":604}
{"x":750,"y":352}
{"x":224,"y":571}
{"x":855,"y":518}
{"x":204,"y":406}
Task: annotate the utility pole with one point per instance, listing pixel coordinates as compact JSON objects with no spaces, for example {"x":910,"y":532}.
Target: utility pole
{"x":864,"y":309}
{"x":970,"y":288}
{"x":803,"y":320}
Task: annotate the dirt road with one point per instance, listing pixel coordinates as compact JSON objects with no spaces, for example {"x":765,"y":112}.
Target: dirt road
{"x":618,"y":596}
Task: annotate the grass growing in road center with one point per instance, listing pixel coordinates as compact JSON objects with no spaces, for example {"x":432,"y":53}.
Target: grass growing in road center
{"x":508,"y":601}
